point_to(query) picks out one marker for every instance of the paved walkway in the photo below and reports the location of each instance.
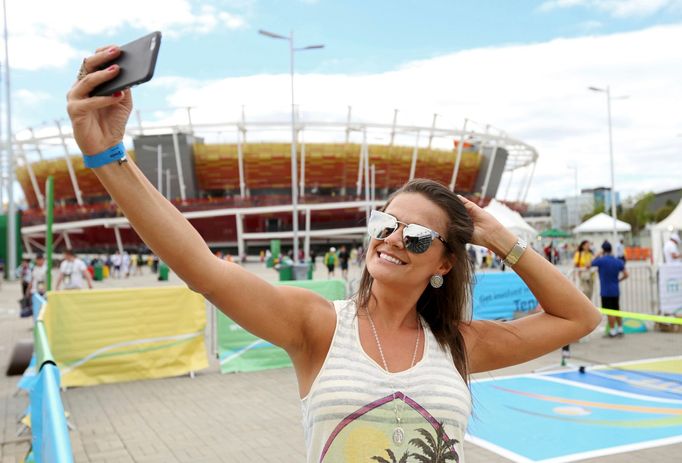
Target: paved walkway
(251, 417)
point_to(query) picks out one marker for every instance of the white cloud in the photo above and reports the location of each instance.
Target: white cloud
(617, 8)
(39, 30)
(536, 92)
(30, 98)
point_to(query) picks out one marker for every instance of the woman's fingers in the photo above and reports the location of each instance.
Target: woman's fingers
(101, 57)
(78, 107)
(82, 88)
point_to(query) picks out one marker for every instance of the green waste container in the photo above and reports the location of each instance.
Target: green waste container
(99, 271)
(285, 272)
(163, 271)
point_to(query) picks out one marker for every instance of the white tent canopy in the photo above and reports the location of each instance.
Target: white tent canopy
(602, 223)
(662, 230)
(511, 220)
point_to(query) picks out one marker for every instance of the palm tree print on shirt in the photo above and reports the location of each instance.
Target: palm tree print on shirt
(438, 449)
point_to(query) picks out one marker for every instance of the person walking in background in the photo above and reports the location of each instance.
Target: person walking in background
(116, 261)
(72, 272)
(330, 261)
(671, 252)
(38, 282)
(23, 272)
(125, 264)
(344, 256)
(582, 262)
(610, 271)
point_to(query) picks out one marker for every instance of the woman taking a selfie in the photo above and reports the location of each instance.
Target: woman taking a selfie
(385, 373)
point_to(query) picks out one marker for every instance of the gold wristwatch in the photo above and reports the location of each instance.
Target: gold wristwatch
(515, 254)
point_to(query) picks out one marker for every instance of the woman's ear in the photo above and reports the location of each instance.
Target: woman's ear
(446, 265)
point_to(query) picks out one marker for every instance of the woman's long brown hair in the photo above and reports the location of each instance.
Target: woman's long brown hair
(445, 308)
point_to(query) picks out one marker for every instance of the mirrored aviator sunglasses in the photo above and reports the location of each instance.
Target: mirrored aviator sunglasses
(416, 238)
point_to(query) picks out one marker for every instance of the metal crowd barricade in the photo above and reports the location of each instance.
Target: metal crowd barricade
(638, 292)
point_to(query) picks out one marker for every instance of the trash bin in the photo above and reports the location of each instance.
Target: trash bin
(99, 272)
(163, 271)
(300, 271)
(285, 271)
(270, 262)
(311, 267)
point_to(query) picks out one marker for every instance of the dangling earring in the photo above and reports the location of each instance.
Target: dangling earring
(436, 281)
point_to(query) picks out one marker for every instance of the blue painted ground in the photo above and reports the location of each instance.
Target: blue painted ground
(540, 417)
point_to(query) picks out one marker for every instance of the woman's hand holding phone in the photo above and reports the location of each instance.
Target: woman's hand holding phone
(98, 122)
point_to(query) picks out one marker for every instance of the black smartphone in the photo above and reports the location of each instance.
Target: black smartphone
(137, 62)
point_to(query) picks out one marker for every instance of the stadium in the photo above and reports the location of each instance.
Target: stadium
(232, 180)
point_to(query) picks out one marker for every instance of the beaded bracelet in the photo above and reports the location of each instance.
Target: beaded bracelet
(113, 154)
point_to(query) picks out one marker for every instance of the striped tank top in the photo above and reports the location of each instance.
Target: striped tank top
(349, 413)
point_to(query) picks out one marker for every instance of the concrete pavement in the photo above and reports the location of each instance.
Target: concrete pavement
(237, 417)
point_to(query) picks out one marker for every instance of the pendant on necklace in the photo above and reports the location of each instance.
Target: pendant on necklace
(398, 436)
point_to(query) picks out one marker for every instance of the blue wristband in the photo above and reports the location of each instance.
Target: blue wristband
(113, 154)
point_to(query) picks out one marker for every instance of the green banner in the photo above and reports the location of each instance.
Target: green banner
(239, 350)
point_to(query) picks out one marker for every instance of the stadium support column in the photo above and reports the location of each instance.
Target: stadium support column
(49, 219)
(367, 179)
(345, 152)
(241, 249)
(415, 153)
(360, 164)
(178, 162)
(373, 194)
(31, 176)
(301, 188)
(119, 242)
(241, 139)
(486, 182)
(433, 128)
(72, 173)
(306, 240)
(460, 146)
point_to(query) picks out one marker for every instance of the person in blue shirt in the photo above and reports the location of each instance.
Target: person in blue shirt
(611, 273)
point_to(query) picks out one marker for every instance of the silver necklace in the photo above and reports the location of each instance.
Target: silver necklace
(398, 432)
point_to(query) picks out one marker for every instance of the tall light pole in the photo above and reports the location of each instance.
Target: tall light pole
(294, 180)
(607, 91)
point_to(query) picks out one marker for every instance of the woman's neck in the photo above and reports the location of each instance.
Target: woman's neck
(393, 309)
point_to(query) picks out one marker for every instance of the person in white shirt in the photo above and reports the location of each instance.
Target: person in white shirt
(72, 272)
(671, 252)
(116, 261)
(38, 277)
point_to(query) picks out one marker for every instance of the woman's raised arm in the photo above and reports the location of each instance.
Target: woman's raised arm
(280, 315)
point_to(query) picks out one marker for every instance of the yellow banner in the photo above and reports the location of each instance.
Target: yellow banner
(108, 336)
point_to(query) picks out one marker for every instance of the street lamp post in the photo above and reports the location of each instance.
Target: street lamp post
(294, 180)
(607, 91)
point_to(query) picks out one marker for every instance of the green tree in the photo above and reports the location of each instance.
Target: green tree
(638, 215)
(598, 209)
(664, 211)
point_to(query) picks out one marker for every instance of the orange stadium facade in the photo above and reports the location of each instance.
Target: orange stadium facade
(238, 194)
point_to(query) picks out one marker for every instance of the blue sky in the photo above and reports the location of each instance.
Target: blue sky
(519, 65)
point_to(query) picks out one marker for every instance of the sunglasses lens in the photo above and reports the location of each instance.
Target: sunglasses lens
(381, 225)
(417, 239)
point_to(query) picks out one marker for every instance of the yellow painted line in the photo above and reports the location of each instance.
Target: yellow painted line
(641, 316)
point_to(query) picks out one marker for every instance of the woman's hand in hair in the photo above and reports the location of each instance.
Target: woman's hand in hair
(488, 231)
